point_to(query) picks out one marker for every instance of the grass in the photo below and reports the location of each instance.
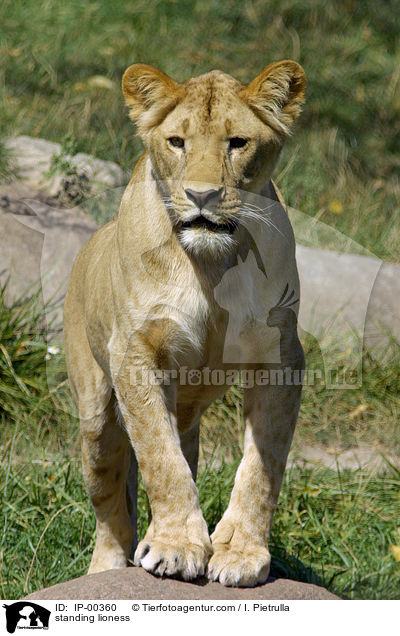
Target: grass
(61, 80)
(33, 389)
(7, 169)
(333, 528)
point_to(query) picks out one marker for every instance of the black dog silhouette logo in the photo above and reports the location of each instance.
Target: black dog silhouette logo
(26, 615)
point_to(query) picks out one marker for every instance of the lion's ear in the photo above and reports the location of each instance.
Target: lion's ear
(276, 94)
(150, 94)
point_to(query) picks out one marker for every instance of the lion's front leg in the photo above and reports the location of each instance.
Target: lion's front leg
(177, 543)
(240, 541)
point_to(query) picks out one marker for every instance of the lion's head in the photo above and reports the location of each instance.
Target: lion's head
(210, 140)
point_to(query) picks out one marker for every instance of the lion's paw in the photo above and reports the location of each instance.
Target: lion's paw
(239, 568)
(184, 560)
(111, 560)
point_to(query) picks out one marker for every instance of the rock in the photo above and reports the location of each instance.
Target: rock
(348, 301)
(20, 252)
(41, 227)
(364, 290)
(361, 457)
(136, 583)
(47, 171)
(39, 249)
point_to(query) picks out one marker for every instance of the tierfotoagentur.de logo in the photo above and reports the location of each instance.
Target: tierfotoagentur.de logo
(26, 615)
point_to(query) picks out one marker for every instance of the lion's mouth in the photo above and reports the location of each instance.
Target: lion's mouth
(204, 223)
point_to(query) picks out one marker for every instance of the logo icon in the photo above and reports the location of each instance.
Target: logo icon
(26, 615)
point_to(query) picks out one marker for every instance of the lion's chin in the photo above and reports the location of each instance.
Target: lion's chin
(204, 243)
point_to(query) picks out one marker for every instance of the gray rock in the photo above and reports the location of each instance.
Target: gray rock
(361, 457)
(20, 256)
(38, 250)
(136, 583)
(33, 158)
(348, 301)
(41, 230)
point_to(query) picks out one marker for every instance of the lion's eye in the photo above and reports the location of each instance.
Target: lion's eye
(176, 142)
(237, 142)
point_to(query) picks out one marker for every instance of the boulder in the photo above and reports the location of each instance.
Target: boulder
(135, 583)
(37, 250)
(42, 227)
(362, 457)
(348, 301)
(48, 171)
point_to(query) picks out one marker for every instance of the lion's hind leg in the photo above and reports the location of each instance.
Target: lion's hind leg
(108, 469)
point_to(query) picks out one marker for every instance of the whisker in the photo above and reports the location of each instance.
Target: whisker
(250, 214)
(256, 213)
(252, 206)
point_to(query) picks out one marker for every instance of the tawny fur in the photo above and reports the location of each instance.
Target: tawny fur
(150, 292)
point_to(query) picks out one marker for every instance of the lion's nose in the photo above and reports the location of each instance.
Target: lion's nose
(202, 198)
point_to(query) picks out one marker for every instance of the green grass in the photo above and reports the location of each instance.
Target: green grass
(331, 528)
(34, 396)
(342, 164)
(7, 169)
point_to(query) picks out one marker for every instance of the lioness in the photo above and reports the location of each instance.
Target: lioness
(195, 278)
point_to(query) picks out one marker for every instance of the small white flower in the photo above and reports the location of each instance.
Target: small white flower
(52, 350)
